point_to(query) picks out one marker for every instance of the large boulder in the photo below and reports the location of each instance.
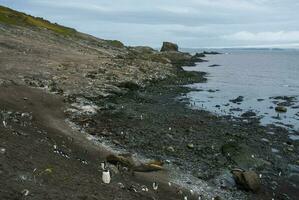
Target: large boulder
(248, 180)
(168, 46)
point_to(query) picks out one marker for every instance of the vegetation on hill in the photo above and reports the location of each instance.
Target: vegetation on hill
(12, 17)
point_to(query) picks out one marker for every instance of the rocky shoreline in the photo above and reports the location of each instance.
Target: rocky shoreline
(69, 101)
(152, 123)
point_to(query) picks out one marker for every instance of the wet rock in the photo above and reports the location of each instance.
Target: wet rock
(200, 55)
(265, 140)
(211, 53)
(281, 109)
(293, 168)
(214, 65)
(237, 100)
(116, 142)
(235, 109)
(248, 114)
(226, 180)
(168, 46)
(210, 90)
(248, 180)
(190, 146)
(217, 198)
(252, 180)
(131, 85)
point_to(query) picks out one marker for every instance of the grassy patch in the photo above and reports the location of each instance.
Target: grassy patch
(115, 43)
(11, 17)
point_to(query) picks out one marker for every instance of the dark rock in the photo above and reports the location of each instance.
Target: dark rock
(281, 109)
(247, 180)
(211, 53)
(237, 100)
(235, 109)
(200, 55)
(129, 85)
(248, 114)
(214, 65)
(210, 90)
(168, 46)
(252, 181)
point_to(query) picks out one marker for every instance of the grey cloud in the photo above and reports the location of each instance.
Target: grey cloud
(191, 23)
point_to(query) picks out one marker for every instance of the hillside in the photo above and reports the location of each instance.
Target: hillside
(51, 77)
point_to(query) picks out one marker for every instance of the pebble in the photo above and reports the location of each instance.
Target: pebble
(170, 148)
(190, 146)
(294, 137)
(293, 168)
(121, 185)
(25, 192)
(265, 140)
(274, 150)
(2, 150)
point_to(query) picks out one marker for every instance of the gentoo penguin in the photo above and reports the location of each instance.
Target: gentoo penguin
(106, 178)
(103, 165)
(155, 185)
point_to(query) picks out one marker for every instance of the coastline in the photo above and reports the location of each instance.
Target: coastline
(60, 95)
(207, 133)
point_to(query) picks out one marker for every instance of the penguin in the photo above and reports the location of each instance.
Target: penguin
(155, 185)
(144, 188)
(191, 192)
(106, 178)
(103, 165)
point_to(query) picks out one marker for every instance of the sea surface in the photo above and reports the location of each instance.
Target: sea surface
(264, 78)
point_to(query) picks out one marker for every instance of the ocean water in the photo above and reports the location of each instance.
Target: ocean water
(260, 76)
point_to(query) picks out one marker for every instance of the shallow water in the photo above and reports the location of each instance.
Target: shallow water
(258, 76)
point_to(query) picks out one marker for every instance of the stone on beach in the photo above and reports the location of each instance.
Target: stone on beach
(281, 109)
(248, 180)
(168, 46)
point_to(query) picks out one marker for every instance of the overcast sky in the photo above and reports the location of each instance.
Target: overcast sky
(190, 23)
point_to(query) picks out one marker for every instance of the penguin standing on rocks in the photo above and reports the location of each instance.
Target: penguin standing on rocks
(155, 185)
(103, 165)
(106, 178)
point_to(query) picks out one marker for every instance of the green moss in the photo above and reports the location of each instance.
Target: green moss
(115, 43)
(11, 17)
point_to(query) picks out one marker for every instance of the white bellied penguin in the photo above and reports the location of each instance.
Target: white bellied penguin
(155, 185)
(106, 178)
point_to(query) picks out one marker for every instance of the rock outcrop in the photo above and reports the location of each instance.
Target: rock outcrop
(168, 46)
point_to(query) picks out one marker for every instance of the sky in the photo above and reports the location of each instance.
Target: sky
(189, 23)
